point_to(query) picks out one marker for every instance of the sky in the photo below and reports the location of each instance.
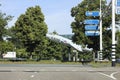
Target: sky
(56, 12)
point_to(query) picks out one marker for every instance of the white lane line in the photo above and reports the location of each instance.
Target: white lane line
(57, 70)
(74, 70)
(110, 76)
(90, 70)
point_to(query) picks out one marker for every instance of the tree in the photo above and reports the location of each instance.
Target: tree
(79, 37)
(30, 30)
(55, 50)
(78, 25)
(6, 47)
(3, 23)
(4, 19)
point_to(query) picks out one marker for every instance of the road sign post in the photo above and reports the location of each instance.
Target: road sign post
(93, 25)
(101, 48)
(113, 34)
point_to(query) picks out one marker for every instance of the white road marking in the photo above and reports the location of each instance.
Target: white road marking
(110, 76)
(90, 70)
(27, 70)
(35, 72)
(32, 76)
(74, 70)
(57, 70)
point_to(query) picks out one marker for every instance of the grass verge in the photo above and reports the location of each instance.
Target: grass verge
(38, 62)
(92, 64)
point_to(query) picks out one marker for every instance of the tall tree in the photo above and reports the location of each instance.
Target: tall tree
(78, 25)
(30, 29)
(4, 19)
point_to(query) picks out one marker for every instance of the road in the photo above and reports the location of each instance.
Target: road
(57, 72)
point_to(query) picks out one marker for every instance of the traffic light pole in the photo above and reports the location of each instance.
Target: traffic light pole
(113, 34)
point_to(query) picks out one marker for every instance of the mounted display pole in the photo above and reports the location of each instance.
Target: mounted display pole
(113, 34)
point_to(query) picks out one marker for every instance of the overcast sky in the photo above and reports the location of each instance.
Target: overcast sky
(56, 12)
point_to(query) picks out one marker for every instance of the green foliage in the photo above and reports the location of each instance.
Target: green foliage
(29, 37)
(78, 25)
(86, 56)
(54, 50)
(79, 36)
(6, 46)
(21, 53)
(30, 30)
(3, 22)
(118, 45)
(78, 13)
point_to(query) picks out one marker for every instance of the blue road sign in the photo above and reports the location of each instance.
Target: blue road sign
(118, 3)
(117, 10)
(92, 33)
(91, 21)
(117, 6)
(91, 27)
(92, 13)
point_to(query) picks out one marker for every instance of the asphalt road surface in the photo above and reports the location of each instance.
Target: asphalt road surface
(57, 72)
